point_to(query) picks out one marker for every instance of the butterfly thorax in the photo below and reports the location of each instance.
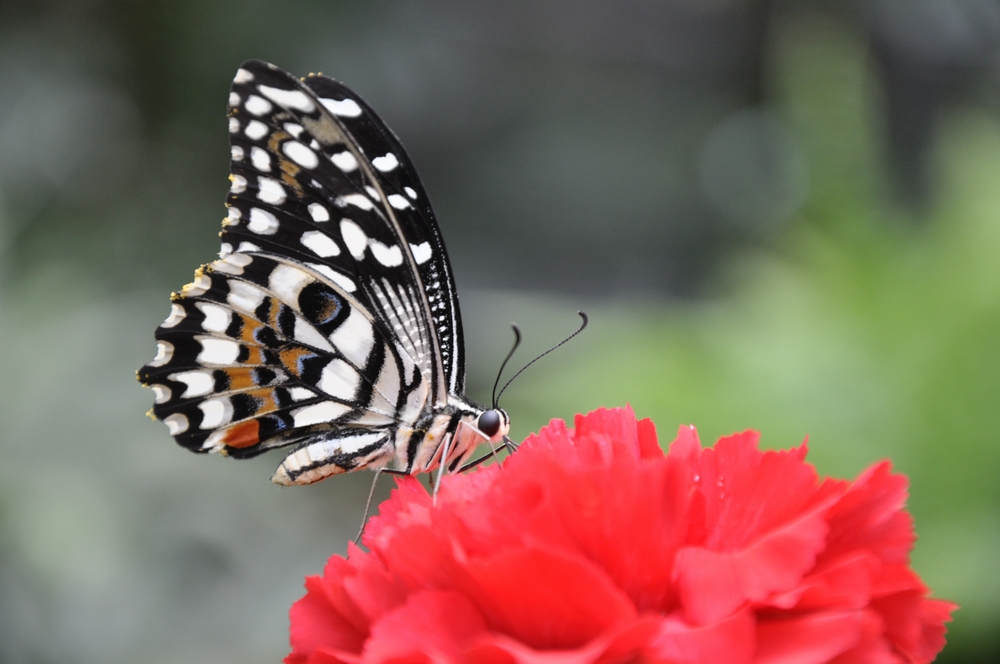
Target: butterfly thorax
(455, 428)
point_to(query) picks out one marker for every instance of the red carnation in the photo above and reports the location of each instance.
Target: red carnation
(591, 545)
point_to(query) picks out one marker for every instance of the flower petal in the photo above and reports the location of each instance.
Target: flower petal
(547, 600)
(731, 640)
(813, 638)
(438, 625)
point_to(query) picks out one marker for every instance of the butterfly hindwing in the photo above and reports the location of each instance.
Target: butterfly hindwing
(259, 352)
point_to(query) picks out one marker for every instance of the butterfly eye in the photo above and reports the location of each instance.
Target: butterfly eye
(489, 423)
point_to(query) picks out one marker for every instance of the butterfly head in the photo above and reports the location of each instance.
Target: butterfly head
(494, 423)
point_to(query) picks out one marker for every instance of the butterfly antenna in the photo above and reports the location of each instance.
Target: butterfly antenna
(578, 331)
(517, 342)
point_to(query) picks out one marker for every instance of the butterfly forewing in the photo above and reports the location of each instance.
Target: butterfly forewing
(306, 187)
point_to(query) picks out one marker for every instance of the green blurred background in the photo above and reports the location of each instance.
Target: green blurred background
(779, 215)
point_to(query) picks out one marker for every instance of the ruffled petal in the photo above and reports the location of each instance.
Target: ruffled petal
(432, 626)
(548, 600)
(813, 638)
(730, 640)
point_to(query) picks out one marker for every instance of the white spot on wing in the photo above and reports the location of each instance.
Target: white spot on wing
(176, 423)
(217, 318)
(260, 159)
(318, 212)
(262, 222)
(164, 352)
(372, 193)
(286, 282)
(218, 351)
(387, 256)
(398, 202)
(217, 412)
(225, 249)
(258, 105)
(233, 216)
(345, 161)
(347, 108)
(294, 129)
(242, 76)
(357, 200)
(300, 154)
(387, 384)
(214, 440)
(296, 99)
(318, 413)
(340, 380)
(198, 382)
(386, 162)
(308, 334)
(354, 238)
(256, 130)
(409, 192)
(341, 280)
(239, 184)
(247, 246)
(354, 338)
(320, 244)
(234, 99)
(177, 314)
(236, 152)
(300, 393)
(161, 393)
(232, 264)
(421, 252)
(199, 286)
(270, 191)
(234, 125)
(244, 297)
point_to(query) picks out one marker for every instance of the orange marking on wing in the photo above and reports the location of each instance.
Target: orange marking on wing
(329, 309)
(272, 315)
(266, 402)
(240, 379)
(256, 355)
(249, 328)
(290, 357)
(288, 170)
(276, 140)
(243, 434)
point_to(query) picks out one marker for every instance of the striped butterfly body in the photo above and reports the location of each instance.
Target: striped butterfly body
(330, 321)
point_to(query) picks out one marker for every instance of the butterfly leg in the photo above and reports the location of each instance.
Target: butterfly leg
(442, 467)
(473, 464)
(371, 494)
(493, 450)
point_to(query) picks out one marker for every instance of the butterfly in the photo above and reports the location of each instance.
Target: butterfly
(330, 322)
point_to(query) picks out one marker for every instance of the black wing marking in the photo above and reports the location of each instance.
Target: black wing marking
(305, 187)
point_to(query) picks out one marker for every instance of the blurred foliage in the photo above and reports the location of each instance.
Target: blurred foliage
(618, 158)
